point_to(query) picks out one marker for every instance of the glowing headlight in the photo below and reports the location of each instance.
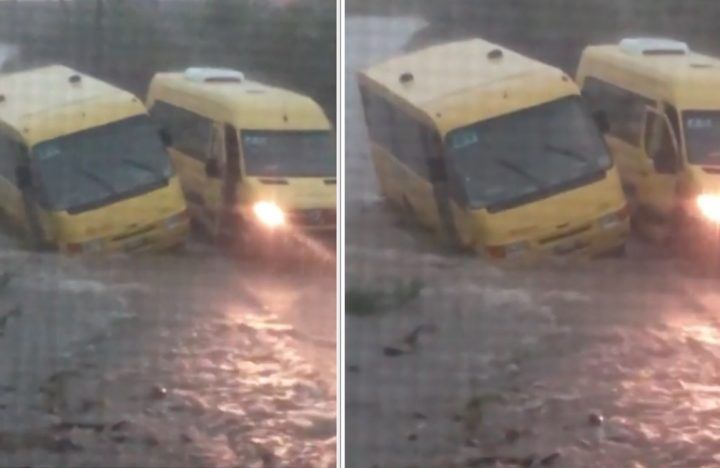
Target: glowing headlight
(709, 207)
(269, 214)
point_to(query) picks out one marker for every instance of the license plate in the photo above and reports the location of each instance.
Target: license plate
(567, 247)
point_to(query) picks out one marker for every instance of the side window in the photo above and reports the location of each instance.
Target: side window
(409, 145)
(10, 153)
(190, 132)
(379, 116)
(624, 109)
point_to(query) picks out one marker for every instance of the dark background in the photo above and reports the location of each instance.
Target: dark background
(556, 31)
(127, 41)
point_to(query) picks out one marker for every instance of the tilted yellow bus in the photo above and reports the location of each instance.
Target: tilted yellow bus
(661, 105)
(82, 168)
(494, 151)
(255, 161)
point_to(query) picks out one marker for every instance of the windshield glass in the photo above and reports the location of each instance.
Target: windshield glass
(289, 153)
(702, 137)
(101, 165)
(527, 154)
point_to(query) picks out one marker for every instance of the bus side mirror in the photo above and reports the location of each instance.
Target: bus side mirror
(212, 169)
(602, 122)
(165, 137)
(437, 170)
(23, 177)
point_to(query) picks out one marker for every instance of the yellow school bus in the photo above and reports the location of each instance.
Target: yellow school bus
(82, 168)
(660, 105)
(494, 151)
(255, 161)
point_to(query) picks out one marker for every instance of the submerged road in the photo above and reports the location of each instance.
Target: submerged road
(192, 359)
(593, 364)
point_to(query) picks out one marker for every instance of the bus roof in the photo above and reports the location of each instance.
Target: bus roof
(48, 102)
(242, 103)
(686, 79)
(459, 83)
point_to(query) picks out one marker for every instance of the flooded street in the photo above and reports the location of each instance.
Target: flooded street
(189, 359)
(597, 364)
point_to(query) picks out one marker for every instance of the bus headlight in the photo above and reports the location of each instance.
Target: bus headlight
(269, 214)
(176, 220)
(709, 207)
(613, 220)
(92, 246)
(516, 249)
(609, 221)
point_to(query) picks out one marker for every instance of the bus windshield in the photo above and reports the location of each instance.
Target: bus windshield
(702, 134)
(289, 153)
(527, 155)
(101, 165)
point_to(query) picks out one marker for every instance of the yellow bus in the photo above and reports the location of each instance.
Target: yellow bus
(494, 151)
(661, 107)
(82, 168)
(256, 162)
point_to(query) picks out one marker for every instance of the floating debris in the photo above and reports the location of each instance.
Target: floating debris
(158, 392)
(595, 419)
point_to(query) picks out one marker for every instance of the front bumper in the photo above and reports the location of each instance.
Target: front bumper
(320, 219)
(590, 243)
(154, 238)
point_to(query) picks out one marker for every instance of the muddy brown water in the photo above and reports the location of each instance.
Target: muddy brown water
(192, 359)
(593, 364)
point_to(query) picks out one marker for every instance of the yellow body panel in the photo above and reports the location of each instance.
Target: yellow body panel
(247, 106)
(687, 82)
(570, 216)
(133, 224)
(41, 105)
(446, 97)
(470, 88)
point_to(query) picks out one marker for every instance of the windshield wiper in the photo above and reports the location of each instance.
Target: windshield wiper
(97, 179)
(565, 151)
(519, 170)
(143, 166)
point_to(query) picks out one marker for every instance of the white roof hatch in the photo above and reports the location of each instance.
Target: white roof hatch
(654, 46)
(214, 75)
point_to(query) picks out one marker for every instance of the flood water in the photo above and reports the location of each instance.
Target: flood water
(597, 364)
(189, 359)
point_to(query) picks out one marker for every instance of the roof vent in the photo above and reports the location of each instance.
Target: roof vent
(214, 75)
(654, 46)
(75, 79)
(495, 54)
(406, 78)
